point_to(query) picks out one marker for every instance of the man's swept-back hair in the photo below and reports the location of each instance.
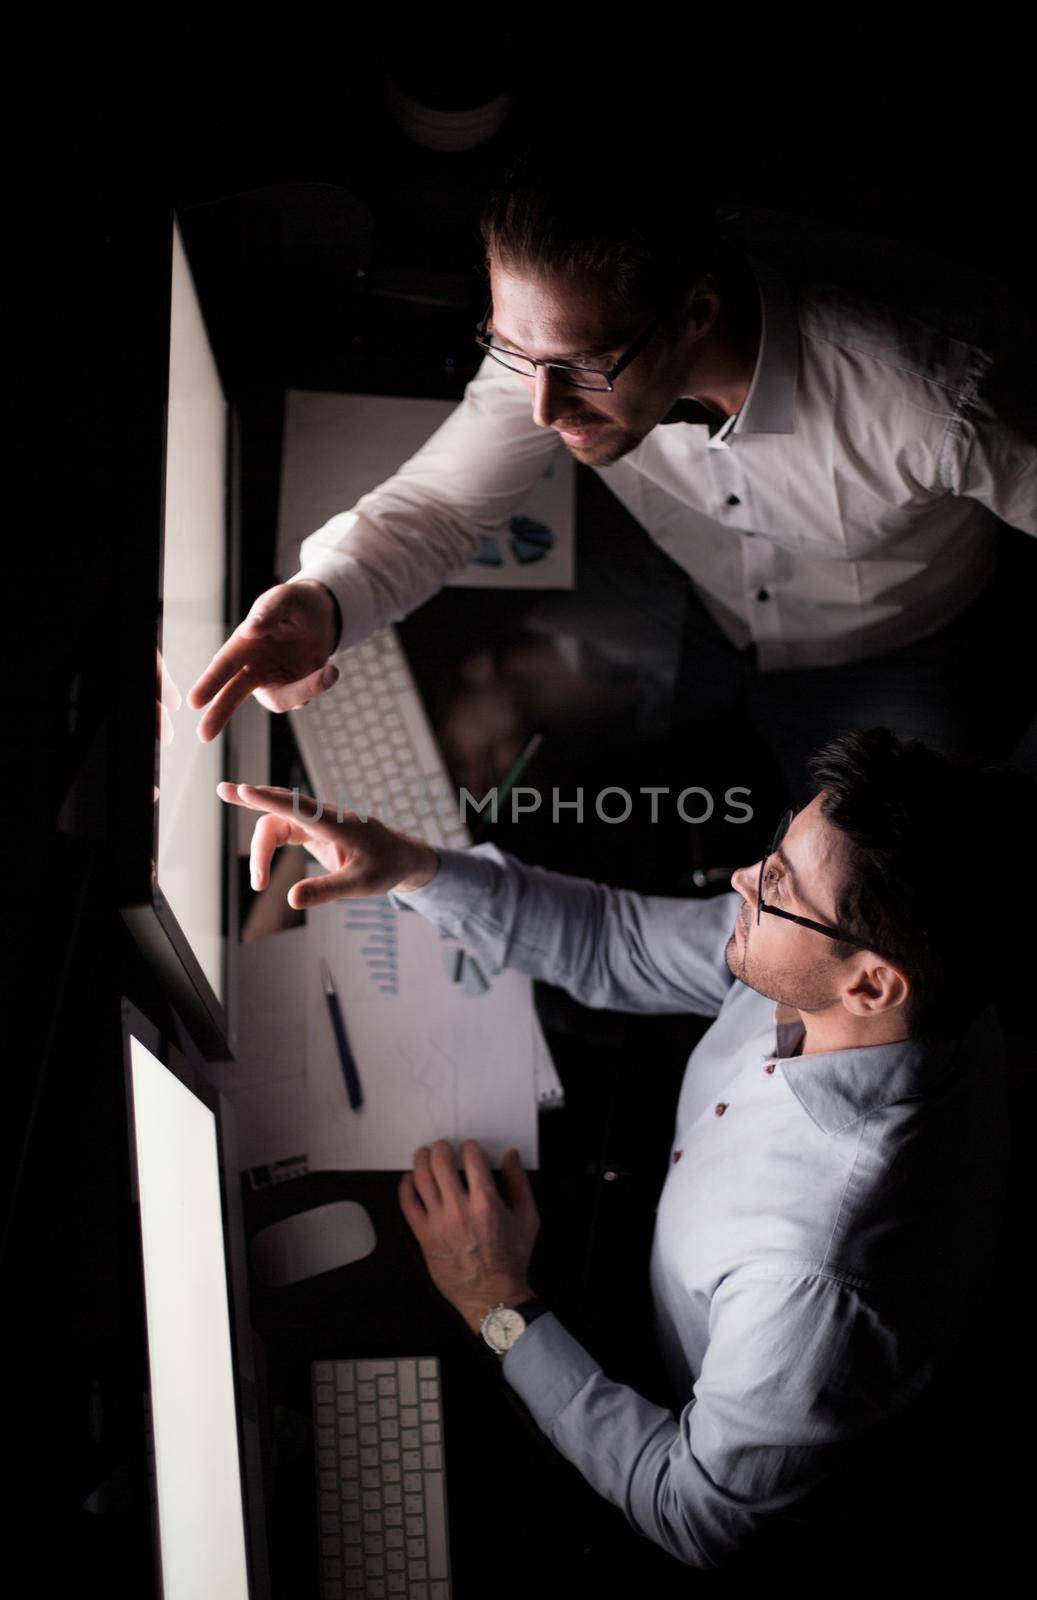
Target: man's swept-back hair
(933, 849)
(615, 215)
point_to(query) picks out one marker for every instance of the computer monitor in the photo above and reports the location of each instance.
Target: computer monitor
(177, 892)
(207, 1499)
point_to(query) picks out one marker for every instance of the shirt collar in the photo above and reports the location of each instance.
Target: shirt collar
(839, 1087)
(770, 404)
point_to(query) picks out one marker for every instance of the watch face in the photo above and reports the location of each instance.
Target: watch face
(502, 1327)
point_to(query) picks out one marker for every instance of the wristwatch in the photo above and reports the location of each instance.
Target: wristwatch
(504, 1325)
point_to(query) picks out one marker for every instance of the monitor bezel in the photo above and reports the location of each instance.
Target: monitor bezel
(191, 1075)
(209, 1019)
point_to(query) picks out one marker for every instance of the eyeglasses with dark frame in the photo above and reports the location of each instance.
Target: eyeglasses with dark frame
(806, 922)
(527, 365)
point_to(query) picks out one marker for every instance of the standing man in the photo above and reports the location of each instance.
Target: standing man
(836, 1171)
(843, 432)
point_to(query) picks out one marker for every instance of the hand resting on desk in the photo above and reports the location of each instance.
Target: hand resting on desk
(476, 1245)
(360, 858)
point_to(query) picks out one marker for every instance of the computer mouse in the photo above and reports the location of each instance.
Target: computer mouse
(309, 1242)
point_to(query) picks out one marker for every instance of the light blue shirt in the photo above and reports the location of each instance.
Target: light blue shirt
(817, 1239)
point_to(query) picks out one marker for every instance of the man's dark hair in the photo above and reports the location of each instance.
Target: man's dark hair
(614, 214)
(932, 847)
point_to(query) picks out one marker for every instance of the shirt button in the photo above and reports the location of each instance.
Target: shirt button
(733, 500)
(720, 1108)
(769, 1067)
(763, 594)
(677, 1155)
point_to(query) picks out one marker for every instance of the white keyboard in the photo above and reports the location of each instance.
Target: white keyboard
(368, 746)
(380, 1479)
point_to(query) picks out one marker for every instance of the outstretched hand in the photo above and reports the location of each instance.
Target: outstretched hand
(279, 653)
(360, 858)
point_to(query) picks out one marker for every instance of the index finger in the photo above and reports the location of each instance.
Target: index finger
(229, 659)
(228, 699)
(295, 806)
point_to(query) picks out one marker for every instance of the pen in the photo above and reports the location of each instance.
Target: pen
(345, 1055)
(515, 773)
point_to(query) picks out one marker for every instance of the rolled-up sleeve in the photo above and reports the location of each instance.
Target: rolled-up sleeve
(799, 1368)
(609, 948)
(402, 540)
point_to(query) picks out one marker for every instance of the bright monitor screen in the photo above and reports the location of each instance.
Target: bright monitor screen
(197, 1469)
(189, 846)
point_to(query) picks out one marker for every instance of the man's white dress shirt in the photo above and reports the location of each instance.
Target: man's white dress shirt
(822, 1225)
(850, 507)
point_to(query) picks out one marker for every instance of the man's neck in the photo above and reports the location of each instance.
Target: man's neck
(839, 1030)
(725, 360)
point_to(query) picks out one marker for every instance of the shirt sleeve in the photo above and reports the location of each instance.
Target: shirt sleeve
(798, 1370)
(990, 447)
(609, 948)
(403, 539)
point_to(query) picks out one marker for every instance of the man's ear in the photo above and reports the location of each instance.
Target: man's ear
(700, 307)
(877, 986)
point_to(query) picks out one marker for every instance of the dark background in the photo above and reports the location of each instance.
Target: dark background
(928, 145)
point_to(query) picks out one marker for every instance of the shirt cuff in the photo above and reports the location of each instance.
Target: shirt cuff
(547, 1368)
(461, 875)
(343, 575)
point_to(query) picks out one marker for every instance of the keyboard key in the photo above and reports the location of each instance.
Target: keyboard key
(432, 1458)
(430, 1433)
(435, 1499)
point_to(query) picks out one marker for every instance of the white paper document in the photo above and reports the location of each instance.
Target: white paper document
(444, 1046)
(338, 447)
(267, 1082)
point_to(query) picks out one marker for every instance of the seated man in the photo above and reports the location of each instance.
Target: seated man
(838, 1158)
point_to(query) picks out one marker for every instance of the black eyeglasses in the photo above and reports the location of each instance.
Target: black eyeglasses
(570, 372)
(806, 922)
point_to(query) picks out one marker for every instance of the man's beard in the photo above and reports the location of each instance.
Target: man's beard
(810, 990)
(618, 443)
